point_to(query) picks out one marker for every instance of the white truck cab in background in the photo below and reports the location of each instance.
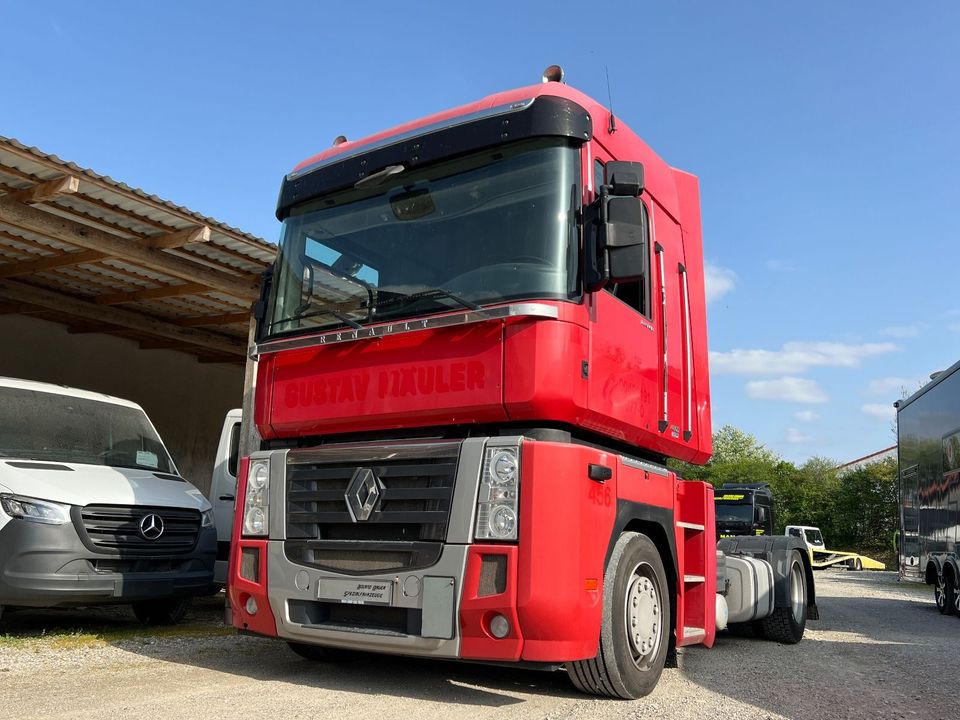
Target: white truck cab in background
(810, 536)
(223, 489)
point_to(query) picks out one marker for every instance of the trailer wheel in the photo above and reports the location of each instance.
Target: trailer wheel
(634, 633)
(168, 611)
(945, 593)
(855, 564)
(786, 624)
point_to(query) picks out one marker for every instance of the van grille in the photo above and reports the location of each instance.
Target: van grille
(117, 528)
(407, 521)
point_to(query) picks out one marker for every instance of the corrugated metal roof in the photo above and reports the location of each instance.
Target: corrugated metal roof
(95, 245)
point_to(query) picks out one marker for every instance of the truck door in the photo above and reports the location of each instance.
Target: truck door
(909, 538)
(625, 348)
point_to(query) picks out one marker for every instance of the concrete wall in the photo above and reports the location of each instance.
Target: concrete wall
(185, 399)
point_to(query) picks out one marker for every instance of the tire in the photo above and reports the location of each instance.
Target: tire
(949, 605)
(636, 598)
(786, 624)
(855, 564)
(168, 611)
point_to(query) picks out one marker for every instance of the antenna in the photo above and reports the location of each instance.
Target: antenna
(612, 127)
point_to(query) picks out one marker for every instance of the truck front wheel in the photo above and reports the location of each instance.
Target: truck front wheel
(634, 634)
(786, 624)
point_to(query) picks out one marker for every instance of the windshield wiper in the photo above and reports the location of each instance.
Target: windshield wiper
(326, 311)
(427, 294)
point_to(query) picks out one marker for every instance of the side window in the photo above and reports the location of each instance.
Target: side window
(636, 293)
(234, 459)
(794, 532)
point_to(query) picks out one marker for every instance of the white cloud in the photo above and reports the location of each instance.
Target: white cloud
(904, 331)
(806, 416)
(795, 357)
(784, 266)
(892, 386)
(795, 437)
(718, 280)
(880, 410)
(788, 389)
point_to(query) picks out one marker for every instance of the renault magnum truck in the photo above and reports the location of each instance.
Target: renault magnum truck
(93, 509)
(482, 338)
(928, 453)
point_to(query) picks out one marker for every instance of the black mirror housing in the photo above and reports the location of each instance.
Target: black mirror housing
(625, 178)
(624, 239)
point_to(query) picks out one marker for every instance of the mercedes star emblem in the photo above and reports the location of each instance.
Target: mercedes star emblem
(151, 526)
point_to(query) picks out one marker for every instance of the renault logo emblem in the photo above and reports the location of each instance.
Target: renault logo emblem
(151, 526)
(363, 494)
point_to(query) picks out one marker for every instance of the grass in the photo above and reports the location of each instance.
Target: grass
(74, 638)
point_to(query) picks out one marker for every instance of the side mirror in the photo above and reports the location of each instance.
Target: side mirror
(616, 233)
(625, 178)
(623, 238)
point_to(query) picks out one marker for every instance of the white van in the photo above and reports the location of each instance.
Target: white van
(223, 489)
(92, 508)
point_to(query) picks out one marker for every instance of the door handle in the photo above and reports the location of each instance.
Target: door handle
(227, 497)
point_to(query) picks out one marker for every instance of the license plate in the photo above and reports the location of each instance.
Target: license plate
(356, 592)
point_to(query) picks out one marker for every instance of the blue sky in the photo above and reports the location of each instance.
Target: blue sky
(825, 135)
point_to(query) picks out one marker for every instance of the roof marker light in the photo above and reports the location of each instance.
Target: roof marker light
(554, 73)
(339, 140)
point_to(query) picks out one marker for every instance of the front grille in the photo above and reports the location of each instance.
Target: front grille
(117, 528)
(407, 523)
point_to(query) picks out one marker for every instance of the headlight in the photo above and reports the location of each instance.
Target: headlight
(256, 501)
(206, 518)
(33, 510)
(498, 501)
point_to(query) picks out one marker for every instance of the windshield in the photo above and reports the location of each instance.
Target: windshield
(47, 426)
(490, 227)
(814, 537)
(734, 513)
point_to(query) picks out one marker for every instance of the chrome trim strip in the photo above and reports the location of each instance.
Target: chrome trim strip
(416, 132)
(365, 452)
(530, 309)
(644, 465)
(689, 353)
(658, 249)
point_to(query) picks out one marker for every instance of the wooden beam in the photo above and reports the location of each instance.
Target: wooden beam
(132, 251)
(180, 238)
(151, 293)
(41, 192)
(67, 305)
(226, 319)
(28, 267)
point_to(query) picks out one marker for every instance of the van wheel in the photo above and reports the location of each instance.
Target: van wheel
(168, 611)
(634, 632)
(786, 624)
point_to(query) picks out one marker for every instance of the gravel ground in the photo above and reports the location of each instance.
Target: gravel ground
(880, 651)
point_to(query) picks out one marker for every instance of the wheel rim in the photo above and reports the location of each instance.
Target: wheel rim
(798, 594)
(939, 594)
(643, 615)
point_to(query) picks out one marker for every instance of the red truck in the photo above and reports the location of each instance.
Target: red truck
(483, 336)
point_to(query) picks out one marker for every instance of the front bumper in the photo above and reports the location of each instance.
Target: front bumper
(48, 566)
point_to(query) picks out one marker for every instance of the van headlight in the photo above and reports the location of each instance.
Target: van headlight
(206, 518)
(34, 510)
(256, 501)
(499, 497)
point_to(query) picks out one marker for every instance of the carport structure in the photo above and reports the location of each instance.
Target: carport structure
(105, 287)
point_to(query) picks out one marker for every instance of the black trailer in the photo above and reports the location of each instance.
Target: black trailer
(744, 509)
(928, 434)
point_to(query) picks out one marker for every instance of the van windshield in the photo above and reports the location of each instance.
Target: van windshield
(60, 428)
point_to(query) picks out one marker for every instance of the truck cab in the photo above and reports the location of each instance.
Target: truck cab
(744, 509)
(810, 536)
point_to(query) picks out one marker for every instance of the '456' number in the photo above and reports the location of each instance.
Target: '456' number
(600, 495)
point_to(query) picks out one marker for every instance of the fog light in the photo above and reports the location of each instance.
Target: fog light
(499, 626)
(251, 606)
